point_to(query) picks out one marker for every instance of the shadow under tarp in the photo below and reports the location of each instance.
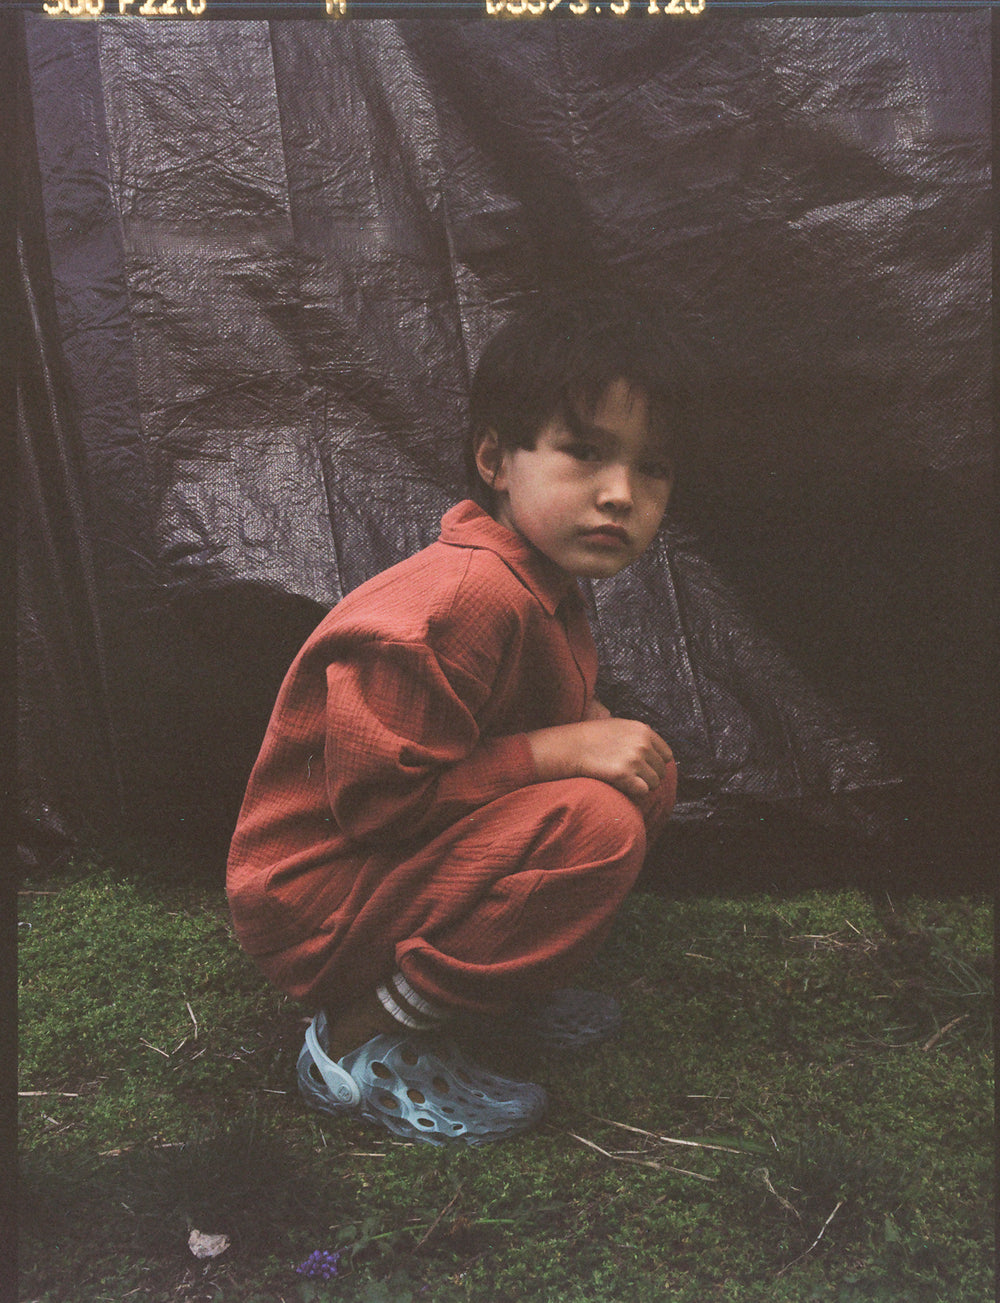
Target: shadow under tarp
(258, 261)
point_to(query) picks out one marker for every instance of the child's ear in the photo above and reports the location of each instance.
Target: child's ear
(490, 460)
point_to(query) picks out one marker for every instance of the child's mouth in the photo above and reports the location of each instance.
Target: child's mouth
(613, 536)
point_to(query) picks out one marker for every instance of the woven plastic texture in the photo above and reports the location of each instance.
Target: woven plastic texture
(263, 258)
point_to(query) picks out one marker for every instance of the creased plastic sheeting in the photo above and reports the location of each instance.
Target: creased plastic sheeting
(198, 176)
(692, 639)
(307, 232)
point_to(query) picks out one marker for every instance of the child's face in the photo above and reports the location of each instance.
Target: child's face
(591, 493)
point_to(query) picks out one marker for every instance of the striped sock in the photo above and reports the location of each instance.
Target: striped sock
(408, 1007)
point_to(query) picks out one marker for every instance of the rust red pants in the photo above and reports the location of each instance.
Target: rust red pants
(508, 902)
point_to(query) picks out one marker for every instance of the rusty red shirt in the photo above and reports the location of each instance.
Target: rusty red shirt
(406, 709)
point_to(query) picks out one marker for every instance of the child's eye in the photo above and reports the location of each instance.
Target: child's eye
(584, 451)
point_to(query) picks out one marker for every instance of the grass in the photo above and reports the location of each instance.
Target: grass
(799, 1108)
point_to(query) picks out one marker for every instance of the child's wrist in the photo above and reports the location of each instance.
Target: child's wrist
(553, 754)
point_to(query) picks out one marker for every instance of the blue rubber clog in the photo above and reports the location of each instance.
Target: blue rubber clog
(418, 1086)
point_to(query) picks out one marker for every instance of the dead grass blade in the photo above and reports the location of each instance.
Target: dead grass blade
(640, 1162)
(944, 1031)
(666, 1140)
(822, 1229)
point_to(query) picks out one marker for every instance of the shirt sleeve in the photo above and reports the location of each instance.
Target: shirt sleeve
(404, 755)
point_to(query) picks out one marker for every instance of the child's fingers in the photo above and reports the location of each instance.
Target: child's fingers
(660, 766)
(652, 740)
(634, 786)
(641, 785)
(659, 762)
(649, 775)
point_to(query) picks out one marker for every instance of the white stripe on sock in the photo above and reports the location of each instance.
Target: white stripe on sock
(413, 998)
(398, 1014)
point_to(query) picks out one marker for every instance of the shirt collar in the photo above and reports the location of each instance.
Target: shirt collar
(468, 525)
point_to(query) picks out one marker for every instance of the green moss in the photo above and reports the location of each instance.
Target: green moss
(836, 1048)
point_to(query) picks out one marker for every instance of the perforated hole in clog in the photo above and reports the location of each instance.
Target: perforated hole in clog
(420, 1087)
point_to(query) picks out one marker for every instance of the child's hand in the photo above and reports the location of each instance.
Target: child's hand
(622, 752)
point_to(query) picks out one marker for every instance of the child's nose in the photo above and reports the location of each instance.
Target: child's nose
(616, 487)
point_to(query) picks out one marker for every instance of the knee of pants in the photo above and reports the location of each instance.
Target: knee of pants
(600, 819)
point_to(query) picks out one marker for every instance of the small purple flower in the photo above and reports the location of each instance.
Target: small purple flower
(320, 1265)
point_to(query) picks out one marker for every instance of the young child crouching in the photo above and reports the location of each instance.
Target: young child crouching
(443, 819)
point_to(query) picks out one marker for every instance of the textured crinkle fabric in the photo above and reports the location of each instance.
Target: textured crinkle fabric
(394, 817)
(405, 711)
(263, 259)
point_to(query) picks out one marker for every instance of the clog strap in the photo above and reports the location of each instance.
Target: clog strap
(340, 1084)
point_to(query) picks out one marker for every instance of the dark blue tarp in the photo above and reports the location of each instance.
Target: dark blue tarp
(261, 258)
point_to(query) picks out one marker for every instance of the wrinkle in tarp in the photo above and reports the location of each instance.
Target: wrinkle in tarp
(272, 254)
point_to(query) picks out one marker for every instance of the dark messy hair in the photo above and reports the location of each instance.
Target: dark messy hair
(557, 356)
